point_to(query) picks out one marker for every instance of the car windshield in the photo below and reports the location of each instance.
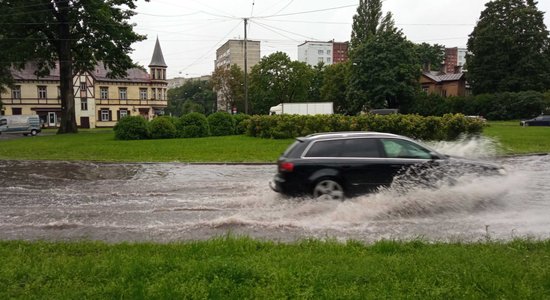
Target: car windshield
(405, 149)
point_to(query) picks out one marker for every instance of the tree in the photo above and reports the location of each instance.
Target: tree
(192, 96)
(510, 49)
(318, 76)
(77, 34)
(229, 84)
(365, 22)
(335, 85)
(277, 79)
(384, 72)
(430, 56)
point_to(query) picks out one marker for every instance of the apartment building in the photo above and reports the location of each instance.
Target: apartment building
(100, 101)
(232, 53)
(315, 52)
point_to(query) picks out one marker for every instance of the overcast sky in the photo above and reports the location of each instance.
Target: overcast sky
(190, 31)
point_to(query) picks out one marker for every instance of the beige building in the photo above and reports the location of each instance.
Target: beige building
(232, 53)
(100, 101)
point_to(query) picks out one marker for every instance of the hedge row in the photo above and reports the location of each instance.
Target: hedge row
(502, 106)
(187, 126)
(447, 127)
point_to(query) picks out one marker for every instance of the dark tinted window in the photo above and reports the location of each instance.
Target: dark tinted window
(330, 148)
(359, 147)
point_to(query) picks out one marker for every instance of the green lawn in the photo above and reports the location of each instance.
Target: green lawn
(229, 268)
(516, 139)
(100, 145)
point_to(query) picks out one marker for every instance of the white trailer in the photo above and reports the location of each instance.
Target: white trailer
(303, 108)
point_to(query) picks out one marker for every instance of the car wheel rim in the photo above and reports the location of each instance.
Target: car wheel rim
(328, 189)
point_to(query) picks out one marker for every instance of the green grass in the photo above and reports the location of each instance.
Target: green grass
(230, 268)
(100, 145)
(516, 139)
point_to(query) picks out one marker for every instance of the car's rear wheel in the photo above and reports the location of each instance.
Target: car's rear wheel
(328, 189)
(34, 132)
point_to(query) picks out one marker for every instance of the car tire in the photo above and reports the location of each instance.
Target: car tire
(34, 132)
(328, 189)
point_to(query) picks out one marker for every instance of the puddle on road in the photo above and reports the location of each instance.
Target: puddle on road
(170, 202)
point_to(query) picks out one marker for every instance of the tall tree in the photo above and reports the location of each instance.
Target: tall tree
(384, 72)
(317, 79)
(510, 49)
(335, 85)
(229, 84)
(192, 96)
(77, 34)
(430, 56)
(277, 79)
(365, 22)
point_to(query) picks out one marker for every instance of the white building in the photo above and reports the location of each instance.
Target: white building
(314, 52)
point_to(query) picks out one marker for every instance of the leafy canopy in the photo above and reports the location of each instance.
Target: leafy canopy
(77, 34)
(510, 49)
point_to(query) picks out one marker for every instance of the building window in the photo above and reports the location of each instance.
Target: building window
(58, 92)
(329, 60)
(159, 94)
(104, 93)
(105, 113)
(328, 52)
(320, 52)
(153, 94)
(16, 92)
(142, 94)
(320, 59)
(42, 92)
(122, 93)
(122, 113)
(84, 104)
(16, 111)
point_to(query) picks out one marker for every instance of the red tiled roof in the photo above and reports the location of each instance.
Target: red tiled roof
(99, 73)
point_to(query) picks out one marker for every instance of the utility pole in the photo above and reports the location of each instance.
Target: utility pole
(245, 68)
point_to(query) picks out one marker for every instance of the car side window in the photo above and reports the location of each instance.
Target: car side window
(361, 148)
(404, 149)
(330, 148)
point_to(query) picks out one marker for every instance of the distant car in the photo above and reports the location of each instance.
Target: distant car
(346, 164)
(480, 118)
(25, 124)
(543, 120)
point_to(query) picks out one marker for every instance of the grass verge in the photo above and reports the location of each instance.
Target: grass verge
(100, 145)
(234, 268)
(515, 139)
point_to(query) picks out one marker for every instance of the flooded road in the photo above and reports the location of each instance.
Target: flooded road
(177, 202)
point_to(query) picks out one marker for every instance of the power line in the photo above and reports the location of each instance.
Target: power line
(306, 12)
(280, 29)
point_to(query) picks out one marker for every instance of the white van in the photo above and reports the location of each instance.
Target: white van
(25, 124)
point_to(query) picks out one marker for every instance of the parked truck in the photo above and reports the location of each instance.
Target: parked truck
(303, 108)
(25, 124)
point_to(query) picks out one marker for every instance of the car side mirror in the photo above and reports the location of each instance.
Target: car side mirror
(434, 155)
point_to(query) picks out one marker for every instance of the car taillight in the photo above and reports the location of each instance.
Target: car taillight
(286, 167)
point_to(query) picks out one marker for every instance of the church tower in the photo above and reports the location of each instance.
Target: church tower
(157, 67)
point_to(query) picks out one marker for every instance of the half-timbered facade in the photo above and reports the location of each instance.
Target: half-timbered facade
(100, 101)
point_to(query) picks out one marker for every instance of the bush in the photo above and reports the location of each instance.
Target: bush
(131, 128)
(447, 127)
(192, 125)
(162, 128)
(501, 106)
(241, 123)
(221, 123)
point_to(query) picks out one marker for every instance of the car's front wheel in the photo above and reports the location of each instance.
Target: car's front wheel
(328, 189)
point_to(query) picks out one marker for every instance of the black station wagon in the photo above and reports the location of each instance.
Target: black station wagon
(345, 164)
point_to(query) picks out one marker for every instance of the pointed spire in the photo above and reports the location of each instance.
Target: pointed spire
(158, 58)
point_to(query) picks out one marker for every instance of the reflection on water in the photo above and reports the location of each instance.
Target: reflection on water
(168, 202)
